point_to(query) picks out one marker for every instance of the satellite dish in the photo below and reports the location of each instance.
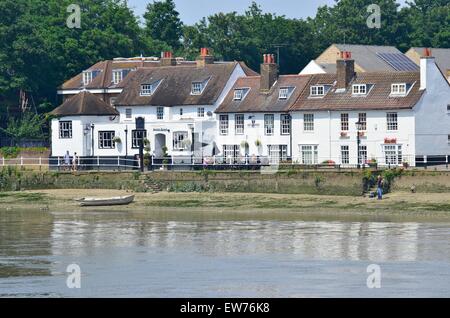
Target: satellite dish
(209, 113)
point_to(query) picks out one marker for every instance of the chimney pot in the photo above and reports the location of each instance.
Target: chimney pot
(167, 59)
(205, 57)
(269, 73)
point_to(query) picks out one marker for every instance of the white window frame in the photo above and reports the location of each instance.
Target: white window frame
(362, 154)
(65, 129)
(112, 101)
(230, 153)
(147, 89)
(344, 121)
(106, 139)
(181, 111)
(87, 77)
(160, 112)
(393, 154)
(223, 125)
(201, 112)
(239, 122)
(238, 94)
(128, 113)
(398, 89)
(285, 124)
(345, 154)
(362, 118)
(197, 88)
(309, 154)
(277, 153)
(317, 90)
(308, 122)
(136, 136)
(283, 93)
(269, 124)
(178, 140)
(359, 89)
(117, 76)
(392, 121)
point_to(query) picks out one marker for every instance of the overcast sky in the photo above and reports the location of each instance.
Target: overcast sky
(192, 11)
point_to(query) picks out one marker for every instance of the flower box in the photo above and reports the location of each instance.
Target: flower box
(390, 140)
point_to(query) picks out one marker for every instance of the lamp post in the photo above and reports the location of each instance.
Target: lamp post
(358, 142)
(191, 128)
(126, 142)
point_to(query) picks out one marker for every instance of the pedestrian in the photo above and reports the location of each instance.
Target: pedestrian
(74, 161)
(380, 187)
(66, 160)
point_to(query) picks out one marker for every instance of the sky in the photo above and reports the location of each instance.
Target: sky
(191, 11)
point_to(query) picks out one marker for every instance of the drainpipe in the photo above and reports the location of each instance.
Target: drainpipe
(290, 138)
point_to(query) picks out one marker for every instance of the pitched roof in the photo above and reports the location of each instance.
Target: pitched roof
(257, 101)
(175, 85)
(442, 57)
(366, 57)
(378, 97)
(84, 104)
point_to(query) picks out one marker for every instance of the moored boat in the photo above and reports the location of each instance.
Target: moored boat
(121, 200)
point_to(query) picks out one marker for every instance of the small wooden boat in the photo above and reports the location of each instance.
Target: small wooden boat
(123, 200)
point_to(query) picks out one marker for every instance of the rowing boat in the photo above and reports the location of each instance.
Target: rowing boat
(122, 200)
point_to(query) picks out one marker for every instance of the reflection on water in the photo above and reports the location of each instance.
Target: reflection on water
(204, 254)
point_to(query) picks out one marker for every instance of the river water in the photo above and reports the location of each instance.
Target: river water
(218, 254)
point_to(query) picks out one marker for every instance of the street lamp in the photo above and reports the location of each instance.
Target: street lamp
(92, 138)
(126, 142)
(358, 141)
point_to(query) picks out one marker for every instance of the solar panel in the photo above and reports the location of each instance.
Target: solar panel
(398, 61)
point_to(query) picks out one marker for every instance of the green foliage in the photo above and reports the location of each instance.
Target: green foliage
(27, 127)
(9, 152)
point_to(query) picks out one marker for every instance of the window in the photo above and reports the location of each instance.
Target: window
(105, 139)
(137, 137)
(285, 121)
(112, 101)
(239, 124)
(128, 113)
(196, 88)
(391, 121)
(398, 89)
(359, 89)
(393, 154)
(201, 112)
(180, 140)
(308, 122)
(230, 153)
(448, 137)
(223, 124)
(181, 111)
(160, 112)
(283, 93)
(87, 77)
(362, 117)
(238, 93)
(65, 129)
(277, 153)
(362, 154)
(309, 154)
(268, 124)
(344, 122)
(147, 89)
(117, 76)
(448, 108)
(345, 155)
(317, 90)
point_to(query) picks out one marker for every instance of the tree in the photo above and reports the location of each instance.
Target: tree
(28, 127)
(163, 24)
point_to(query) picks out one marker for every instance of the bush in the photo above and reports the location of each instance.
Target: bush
(9, 152)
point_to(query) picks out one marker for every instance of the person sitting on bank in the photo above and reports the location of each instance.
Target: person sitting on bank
(380, 187)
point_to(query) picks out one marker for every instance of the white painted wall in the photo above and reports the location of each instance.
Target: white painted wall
(312, 68)
(432, 120)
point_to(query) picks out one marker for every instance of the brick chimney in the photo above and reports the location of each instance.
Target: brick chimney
(167, 59)
(345, 70)
(205, 57)
(269, 72)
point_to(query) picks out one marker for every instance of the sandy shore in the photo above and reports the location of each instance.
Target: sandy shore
(399, 203)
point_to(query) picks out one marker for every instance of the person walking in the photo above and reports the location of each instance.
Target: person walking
(75, 162)
(380, 187)
(66, 161)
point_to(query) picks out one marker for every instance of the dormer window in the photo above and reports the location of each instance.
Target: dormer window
(359, 89)
(283, 93)
(238, 93)
(88, 76)
(317, 90)
(197, 88)
(149, 89)
(398, 89)
(117, 76)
